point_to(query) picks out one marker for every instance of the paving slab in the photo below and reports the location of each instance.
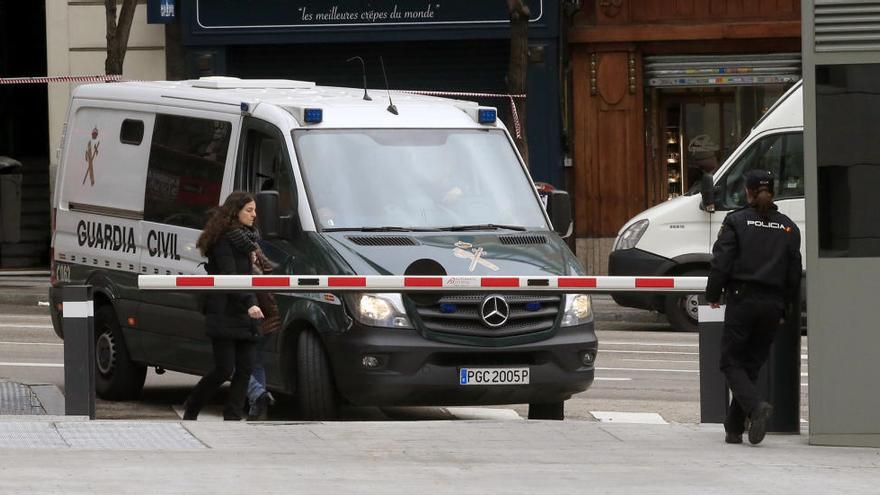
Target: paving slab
(453, 457)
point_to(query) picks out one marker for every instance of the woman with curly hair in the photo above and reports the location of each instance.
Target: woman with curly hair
(229, 242)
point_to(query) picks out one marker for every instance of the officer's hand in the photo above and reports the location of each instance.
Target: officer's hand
(715, 305)
(255, 312)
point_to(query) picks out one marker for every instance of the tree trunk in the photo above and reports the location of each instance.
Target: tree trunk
(117, 34)
(518, 67)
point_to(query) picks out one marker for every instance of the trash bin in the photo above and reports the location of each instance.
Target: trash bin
(10, 200)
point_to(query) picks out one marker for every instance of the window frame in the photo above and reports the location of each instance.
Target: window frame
(722, 184)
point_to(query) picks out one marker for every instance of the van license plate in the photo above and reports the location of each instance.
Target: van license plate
(493, 376)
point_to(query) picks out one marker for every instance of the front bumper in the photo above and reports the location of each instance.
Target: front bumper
(416, 371)
(630, 262)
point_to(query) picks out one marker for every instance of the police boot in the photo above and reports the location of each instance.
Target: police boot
(759, 419)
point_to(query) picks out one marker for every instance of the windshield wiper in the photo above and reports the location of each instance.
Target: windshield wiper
(381, 229)
(483, 226)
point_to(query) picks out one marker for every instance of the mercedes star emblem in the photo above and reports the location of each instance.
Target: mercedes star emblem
(495, 311)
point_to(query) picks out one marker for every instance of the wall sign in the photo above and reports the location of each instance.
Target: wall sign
(161, 11)
(293, 14)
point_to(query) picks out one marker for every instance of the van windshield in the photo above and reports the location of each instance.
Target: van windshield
(411, 179)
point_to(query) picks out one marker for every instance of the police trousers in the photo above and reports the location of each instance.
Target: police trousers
(750, 323)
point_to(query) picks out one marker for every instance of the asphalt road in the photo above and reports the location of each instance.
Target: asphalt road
(641, 368)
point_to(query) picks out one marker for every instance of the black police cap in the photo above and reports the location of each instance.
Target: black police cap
(759, 179)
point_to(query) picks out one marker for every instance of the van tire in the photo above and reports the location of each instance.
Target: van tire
(117, 377)
(681, 309)
(547, 410)
(315, 391)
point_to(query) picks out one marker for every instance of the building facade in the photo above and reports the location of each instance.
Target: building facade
(444, 45)
(663, 91)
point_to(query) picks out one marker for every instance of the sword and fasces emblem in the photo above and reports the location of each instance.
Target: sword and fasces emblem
(91, 154)
(466, 250)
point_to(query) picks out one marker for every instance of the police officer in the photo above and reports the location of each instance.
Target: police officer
(757, 264)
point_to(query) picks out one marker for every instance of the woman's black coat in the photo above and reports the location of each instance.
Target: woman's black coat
(226, 313)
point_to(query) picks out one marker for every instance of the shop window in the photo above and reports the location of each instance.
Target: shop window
(781, 154)
(700, 127)
(847, 150)
(185, 170)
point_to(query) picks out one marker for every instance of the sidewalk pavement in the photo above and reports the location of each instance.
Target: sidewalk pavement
(73, 455)
(504, 454)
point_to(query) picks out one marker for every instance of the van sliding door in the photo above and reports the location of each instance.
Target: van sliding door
(189, 155)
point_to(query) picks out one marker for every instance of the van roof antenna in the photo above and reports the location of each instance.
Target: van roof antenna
(364, 72)
(391, 108)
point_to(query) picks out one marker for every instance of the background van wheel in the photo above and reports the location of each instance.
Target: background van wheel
(682, 309)
(117, 377)
(315, 391)
(547, 410)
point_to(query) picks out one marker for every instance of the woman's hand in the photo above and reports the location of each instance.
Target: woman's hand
(255, 312)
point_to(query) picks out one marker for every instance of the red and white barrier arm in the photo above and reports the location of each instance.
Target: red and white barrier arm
(393, 283)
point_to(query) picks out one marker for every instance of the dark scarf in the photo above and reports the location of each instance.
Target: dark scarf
(243, 238)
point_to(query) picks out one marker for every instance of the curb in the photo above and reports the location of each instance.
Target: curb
(50, 398)
(27, 297)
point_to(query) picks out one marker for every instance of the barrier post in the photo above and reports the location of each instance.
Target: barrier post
(79, 350)
(780, 379)
(714, 396)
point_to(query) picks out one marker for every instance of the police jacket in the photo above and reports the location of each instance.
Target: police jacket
(756, 251)
(226, 313)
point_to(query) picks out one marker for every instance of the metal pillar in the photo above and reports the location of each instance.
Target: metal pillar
(780, 379)
(79, 350)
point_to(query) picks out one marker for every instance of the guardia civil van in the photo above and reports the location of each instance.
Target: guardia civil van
(391, 185)
(676, 237)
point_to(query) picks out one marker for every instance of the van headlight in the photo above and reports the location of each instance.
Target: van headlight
(379, 310)
(631, 236)
(578, 310)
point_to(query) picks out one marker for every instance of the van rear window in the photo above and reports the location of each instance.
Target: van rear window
(132, 131)
(185, 171)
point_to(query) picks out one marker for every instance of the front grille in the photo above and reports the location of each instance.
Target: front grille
(522, 240)
(383, 240)
(460, 315)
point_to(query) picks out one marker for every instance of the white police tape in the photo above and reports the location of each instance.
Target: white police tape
(395, 283)
(516, 123)
(59, 79)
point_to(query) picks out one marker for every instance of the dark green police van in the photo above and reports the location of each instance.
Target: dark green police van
(344, 187)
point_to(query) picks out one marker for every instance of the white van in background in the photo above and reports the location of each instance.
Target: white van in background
(676, 237)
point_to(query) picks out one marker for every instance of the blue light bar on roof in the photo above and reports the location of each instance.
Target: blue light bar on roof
(487, 115)
(313, 115)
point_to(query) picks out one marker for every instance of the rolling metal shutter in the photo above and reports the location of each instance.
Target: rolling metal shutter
(721, 70)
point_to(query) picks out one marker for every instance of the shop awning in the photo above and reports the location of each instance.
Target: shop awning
(664, 71)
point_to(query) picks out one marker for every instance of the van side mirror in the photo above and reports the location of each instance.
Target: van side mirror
(267, 213)
(707, 191)
(559, 211)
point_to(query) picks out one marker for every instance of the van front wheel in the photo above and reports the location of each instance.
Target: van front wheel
(682, 309)
(315, 391)
(117, 377)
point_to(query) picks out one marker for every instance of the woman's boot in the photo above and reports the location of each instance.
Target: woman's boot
(191, 409)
